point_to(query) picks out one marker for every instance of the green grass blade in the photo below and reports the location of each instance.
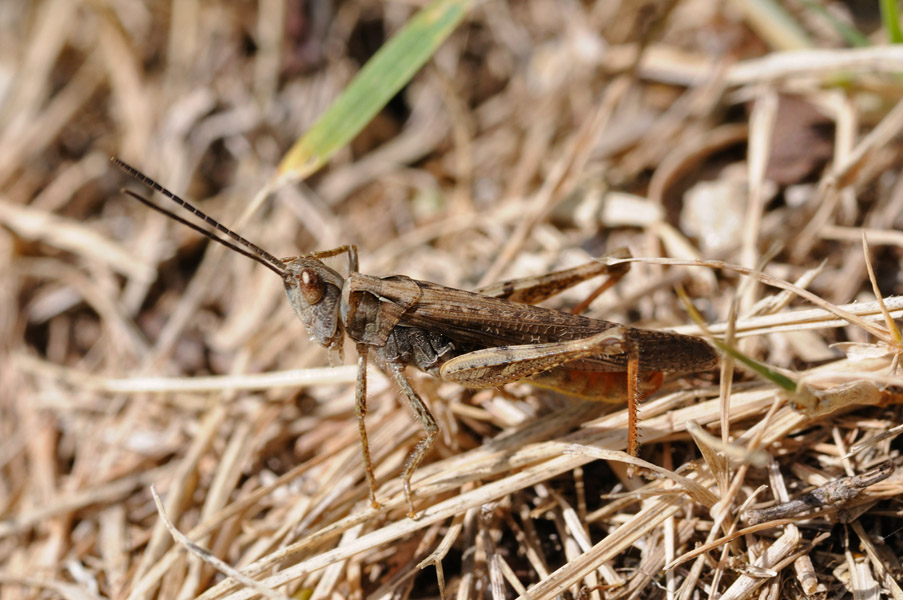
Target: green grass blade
(890, 17)
(382, 77)
(853, 36)
(762, 370)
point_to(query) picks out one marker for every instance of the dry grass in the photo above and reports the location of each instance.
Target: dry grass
(542, 134)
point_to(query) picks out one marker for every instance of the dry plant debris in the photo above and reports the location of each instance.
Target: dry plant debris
(542, 133)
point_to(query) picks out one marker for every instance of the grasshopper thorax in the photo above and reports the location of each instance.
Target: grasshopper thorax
(315, 293)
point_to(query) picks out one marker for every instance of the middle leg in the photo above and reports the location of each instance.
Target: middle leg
(427, 420)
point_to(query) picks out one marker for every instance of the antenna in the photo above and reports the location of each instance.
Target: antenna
(254, 252)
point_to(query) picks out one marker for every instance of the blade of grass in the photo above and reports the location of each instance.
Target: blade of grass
(853, 36)
(890, 17)
(760, 369)
(379, 80)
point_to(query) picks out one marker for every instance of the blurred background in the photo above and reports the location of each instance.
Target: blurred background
(542, 134)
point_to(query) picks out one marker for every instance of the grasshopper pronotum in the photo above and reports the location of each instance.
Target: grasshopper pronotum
(478, 339)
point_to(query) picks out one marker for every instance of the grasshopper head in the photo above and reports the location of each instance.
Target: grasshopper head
(315, 293)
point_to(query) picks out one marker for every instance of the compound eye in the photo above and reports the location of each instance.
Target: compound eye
(311, 286)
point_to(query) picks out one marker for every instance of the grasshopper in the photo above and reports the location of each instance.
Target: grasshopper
(480, 339)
